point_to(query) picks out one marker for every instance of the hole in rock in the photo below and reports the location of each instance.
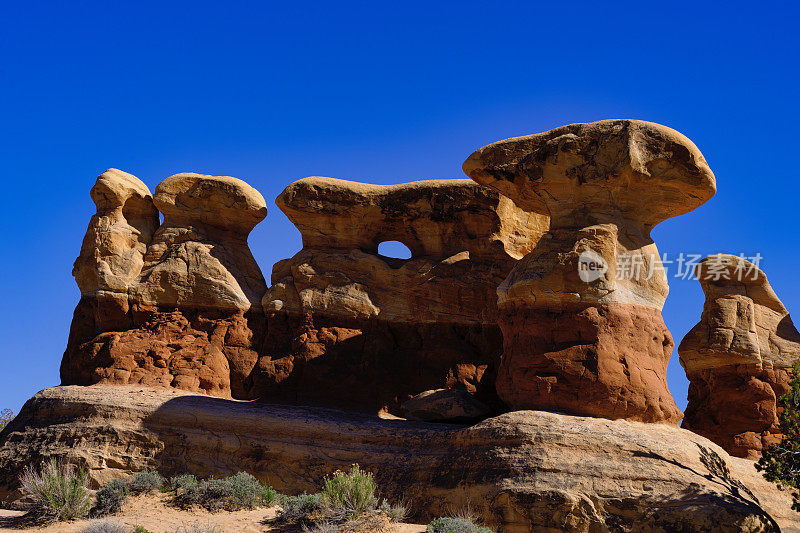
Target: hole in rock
(394, 249)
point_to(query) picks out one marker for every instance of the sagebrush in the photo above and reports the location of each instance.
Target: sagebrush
(110, 498)
(59, 491)
(105, 526)
(239, 491)
(455, 525)
(350, 494)
(146, 482)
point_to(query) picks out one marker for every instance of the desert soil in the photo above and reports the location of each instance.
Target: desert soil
(153, 513)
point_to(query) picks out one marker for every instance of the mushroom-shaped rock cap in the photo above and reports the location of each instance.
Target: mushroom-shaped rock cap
(590, 172)
(114, 188)
(220, 201)
(431, 217)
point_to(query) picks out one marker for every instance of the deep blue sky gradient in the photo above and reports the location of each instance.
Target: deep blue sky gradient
(378, 92)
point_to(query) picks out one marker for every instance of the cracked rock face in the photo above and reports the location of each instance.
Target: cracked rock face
(169, 305)
(581, 312)
(407, 325)
(739, 354)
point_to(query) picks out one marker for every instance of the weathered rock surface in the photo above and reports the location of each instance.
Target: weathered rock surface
(350, 328)
(605, 185)
(445, 405)
(521, 471)
(738, 358)
(112, 253)
(181, 314)
(199, 257)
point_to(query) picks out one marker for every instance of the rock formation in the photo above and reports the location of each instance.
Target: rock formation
(180, 315)
(581, 313)
(350, 328)
(738, 358)
(521, 471)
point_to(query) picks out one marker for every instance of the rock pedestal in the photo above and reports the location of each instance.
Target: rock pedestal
(581, 313)
(738, 358)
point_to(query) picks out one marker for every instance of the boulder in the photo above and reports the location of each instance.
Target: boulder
(445, 405)
(738, 358)
(182, 317)
(521, 471)
(581, 313)
(353, 329)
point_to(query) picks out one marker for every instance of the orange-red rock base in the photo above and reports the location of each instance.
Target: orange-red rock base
(605, 361)
(736, 407)
(367, 366)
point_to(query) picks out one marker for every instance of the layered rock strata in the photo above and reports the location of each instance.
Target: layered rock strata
(581, 313)
(738, 358)
(169, 304)
(521, 471)
(351, 328)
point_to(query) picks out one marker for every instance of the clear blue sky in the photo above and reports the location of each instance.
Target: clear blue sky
(378, 92)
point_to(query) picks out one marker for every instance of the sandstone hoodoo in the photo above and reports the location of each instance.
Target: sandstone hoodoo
(738, 358)
(181, 313)
(592, 342)
(353, 329)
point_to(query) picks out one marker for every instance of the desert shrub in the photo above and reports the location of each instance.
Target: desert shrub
(322, 527)
(296, 508)
(105, 526)
(6, 416)
(780, 463)
(396, 512)
(141, 529)
(110, 497)
(240, 491)
(183, 482)
(58, 490)
(349, 494)
(200, 528)
(145, 482)
(455, 525)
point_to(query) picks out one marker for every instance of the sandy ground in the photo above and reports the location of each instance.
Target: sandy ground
(153, 513)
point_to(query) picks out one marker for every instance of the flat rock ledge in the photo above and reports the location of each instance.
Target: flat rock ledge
(521, 471)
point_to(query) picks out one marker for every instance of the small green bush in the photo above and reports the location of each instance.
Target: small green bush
(297, 508)
(105, 526)
(455, 525)
(58, 490)
(183, 482)
(6, 416)
(145, 482)
(240, 491)
(350, 493)
(141, 529)
(396, 512)
(110, 498)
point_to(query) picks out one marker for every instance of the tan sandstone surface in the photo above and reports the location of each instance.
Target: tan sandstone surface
(592, 345)
(739, 354)
(520, 471)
